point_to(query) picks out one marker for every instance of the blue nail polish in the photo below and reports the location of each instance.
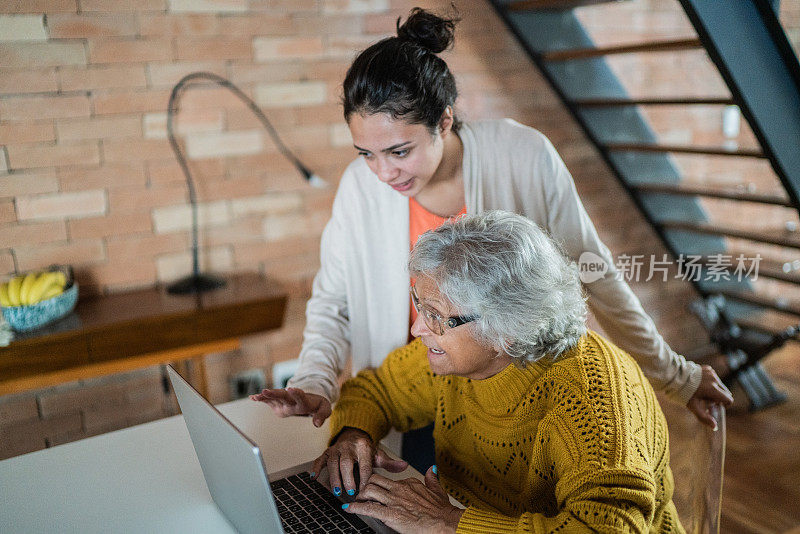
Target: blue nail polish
(344, 506)
(351, 492)
(337, 491)
(435, 471)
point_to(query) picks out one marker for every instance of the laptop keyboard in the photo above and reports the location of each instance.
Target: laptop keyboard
(305, 505)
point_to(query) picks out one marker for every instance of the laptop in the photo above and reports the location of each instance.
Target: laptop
(289, 501)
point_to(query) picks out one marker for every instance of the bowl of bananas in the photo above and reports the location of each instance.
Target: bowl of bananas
(30, 301)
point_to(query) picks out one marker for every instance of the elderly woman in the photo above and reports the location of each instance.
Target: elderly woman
(540, 424)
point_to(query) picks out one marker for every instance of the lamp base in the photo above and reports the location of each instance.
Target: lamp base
(195, 284)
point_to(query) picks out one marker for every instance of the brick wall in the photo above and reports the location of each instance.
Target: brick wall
(87, 176)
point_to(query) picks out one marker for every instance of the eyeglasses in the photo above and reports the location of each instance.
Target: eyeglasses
(435, 322)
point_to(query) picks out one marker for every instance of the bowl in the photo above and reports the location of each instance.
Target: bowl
(33, 316)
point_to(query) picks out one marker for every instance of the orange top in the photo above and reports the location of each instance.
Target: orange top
(420, 221)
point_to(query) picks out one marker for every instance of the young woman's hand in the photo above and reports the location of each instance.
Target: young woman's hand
(710, 391)
(352, 447)
(293, 401)
(408, 505)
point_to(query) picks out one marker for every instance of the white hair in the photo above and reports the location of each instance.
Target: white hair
(504, 269)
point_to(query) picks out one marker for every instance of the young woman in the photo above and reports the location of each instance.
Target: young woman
(419, 165)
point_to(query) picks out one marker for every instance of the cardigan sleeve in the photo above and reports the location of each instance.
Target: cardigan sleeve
(399, 394)
(611, 300)
(326, 336)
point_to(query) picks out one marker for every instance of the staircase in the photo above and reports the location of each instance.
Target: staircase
(733, 198)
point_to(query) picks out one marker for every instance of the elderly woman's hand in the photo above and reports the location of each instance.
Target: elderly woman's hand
(294, 401)
(711, 391)
(408, 505)
(353, 446)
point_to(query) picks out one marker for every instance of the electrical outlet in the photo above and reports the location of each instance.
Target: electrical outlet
(247, 383)
(283, 371)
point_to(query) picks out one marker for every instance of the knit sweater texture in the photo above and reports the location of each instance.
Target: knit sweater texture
(572, 444)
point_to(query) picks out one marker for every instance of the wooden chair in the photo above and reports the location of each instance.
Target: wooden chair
(697, 458)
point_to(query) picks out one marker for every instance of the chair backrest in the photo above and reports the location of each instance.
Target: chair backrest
(697, 459)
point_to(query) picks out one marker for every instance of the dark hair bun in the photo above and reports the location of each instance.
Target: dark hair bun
(429, 31)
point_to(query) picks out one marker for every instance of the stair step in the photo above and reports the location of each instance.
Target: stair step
(775, 270)
(711, 192)
(781, 305)
(686, 149)
(781, 238)
(666, 101)
(768, 325)
(653, 46)
(525, 5)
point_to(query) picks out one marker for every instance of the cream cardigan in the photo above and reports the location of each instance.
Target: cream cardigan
(360, 298)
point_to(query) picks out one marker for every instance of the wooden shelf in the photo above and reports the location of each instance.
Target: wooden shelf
(654, 46)
(130, 330)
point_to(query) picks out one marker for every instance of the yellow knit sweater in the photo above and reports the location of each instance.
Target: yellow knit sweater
(578, 444)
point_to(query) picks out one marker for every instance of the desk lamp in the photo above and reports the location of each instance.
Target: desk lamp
(198, 282)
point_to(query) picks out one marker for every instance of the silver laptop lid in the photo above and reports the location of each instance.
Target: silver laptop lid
(232, 464)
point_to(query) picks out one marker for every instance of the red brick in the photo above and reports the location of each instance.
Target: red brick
(243, 119)
(210, 190)
(27, 184)
(130, 51)
(62, 155)
(15, 81)
(6, 265)
(204, 49)
(122, 274)
(114, 6)
(99, 128)
(26, 132)
(57, 206)
(252, 25)
(108, 176)
(246, 230)
(314, 24)
(139, 248)
(169, 172)
(158, 24)
(127, 199)
(292, 47)
(130, 102)
(168, 74)
(76, 253)
(43, 107)
(103, 77)
(7, 213)
(320, 114)
(39, 6)
(111, 225)
(50, 54)
(91, 25)
(248, 73)
(33, 234)
(133, 150)
(21, 437)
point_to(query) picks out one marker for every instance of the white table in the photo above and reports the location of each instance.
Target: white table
(141, 479)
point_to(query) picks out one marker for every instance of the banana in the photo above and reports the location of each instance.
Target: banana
(13, 290)
(25, 288)
(53, 291)
(4, 301)
(42, 284)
